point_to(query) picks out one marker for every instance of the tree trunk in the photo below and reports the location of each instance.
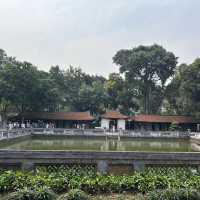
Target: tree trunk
(4, 120)
(146, 99)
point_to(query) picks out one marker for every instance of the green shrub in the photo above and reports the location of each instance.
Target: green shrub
(139, 197)
(28, 194)
(75, 194)
(86, 179)
(58, 184)
(174, 126)
(44, 194)
(7, 179)
(172, 194)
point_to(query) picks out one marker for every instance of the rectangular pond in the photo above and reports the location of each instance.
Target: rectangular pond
(85, 143)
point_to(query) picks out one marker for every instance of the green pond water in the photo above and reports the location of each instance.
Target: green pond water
(99, 144)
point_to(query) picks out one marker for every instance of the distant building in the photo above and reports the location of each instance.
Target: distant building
(113, 120)
(59, 119)
(163, 122)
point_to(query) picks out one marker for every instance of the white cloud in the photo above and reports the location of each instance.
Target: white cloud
(87, 33)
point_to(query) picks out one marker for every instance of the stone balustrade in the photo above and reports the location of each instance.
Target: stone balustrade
(8, 134)
(104, 161)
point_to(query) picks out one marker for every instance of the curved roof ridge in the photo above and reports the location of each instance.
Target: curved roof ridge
(113, 114)
(79, 116)
(164, 118)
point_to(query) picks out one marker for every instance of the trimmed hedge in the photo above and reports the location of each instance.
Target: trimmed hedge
(62, 180)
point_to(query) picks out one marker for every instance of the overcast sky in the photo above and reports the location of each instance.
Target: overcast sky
(87, 33)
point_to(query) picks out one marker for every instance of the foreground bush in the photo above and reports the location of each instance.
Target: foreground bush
(75, 194)
(28, 194)
(172, 194)
(61, 180)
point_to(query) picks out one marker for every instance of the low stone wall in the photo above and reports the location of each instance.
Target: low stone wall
(5, 134)
(101, 132)
(15, 133)
(105, 161)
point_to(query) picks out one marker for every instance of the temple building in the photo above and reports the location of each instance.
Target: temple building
(163, 122)
(59, 119)
(113, 120)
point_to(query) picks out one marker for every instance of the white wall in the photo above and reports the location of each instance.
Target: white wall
(105, 123)
(121, 124)
(198, 127)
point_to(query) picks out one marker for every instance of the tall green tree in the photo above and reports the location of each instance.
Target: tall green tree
(92, 98)
(183, 93)
(114, 86)
(81, 91)
(74, 78)
(24, 88)
(120, 95)
(144, 67)
(173, 103)
(5, 93)
(57, 80)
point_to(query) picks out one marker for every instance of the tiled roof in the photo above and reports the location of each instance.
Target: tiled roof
(114, 115)
(164, 118)
(73, 116)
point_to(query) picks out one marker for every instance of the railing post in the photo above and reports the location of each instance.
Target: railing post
(27, 166)
(139, 166)
(198, 168)
(102, 166)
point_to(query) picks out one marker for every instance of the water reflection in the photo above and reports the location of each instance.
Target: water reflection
(103, 144)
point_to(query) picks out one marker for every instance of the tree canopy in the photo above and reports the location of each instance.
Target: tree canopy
(147, 68)
(149, 81)
(183, 93)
